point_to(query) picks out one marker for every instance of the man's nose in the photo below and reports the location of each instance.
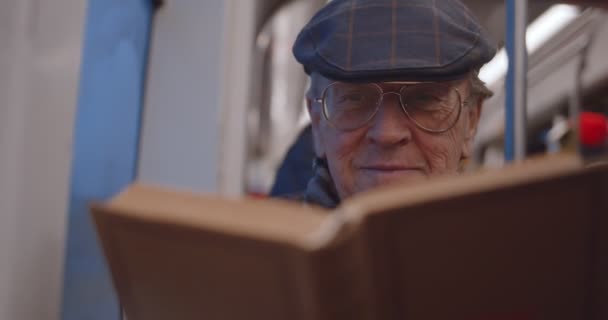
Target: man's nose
(390, 125)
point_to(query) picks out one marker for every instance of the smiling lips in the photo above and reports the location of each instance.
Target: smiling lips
(384, 173)
(391, 167)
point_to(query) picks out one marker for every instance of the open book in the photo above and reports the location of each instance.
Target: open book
(523, 243)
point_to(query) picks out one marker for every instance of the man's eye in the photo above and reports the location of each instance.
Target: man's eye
(427, 102)
(427, 98)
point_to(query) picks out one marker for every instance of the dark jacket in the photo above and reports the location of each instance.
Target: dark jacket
(303, 177)
(296, 169)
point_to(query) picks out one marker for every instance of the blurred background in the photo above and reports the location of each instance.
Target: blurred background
(203, 95)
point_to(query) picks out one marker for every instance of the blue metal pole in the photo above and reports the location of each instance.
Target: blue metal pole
(516, 83)
(105, 147)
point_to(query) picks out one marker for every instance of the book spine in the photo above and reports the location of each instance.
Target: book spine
(334, 281)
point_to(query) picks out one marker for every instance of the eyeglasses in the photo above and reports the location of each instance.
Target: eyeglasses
(434, 107)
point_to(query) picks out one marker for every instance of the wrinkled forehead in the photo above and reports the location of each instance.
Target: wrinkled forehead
(320, 82)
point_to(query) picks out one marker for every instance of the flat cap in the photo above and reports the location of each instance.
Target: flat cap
(373, 40)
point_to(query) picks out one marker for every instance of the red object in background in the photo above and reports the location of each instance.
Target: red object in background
(593, 128)
(257, 195)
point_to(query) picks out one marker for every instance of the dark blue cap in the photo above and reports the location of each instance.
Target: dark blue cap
(382, 40)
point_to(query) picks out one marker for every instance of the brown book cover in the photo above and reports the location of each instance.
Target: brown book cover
(523, 243)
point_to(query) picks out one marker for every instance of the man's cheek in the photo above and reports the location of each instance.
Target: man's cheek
(441, 158)
(343, 177)
(344, 145)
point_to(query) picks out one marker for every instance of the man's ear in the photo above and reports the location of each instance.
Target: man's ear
(472, 114)
(314, 110)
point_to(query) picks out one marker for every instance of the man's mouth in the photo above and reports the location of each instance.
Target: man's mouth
(375, 174)
(391, 168)
(389, 173)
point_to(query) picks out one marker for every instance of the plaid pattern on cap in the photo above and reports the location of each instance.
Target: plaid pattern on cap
(369, 40)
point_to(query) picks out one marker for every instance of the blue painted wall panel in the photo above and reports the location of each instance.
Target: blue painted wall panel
(105, 143)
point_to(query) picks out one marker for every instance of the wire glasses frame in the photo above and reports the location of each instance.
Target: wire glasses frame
(461, 104)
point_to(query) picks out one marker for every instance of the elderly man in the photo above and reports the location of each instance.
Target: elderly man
(394, 93)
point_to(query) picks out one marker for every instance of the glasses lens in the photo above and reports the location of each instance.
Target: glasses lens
(350, 106)
(433, 106)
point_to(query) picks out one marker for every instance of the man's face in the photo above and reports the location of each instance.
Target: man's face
(390, 148)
